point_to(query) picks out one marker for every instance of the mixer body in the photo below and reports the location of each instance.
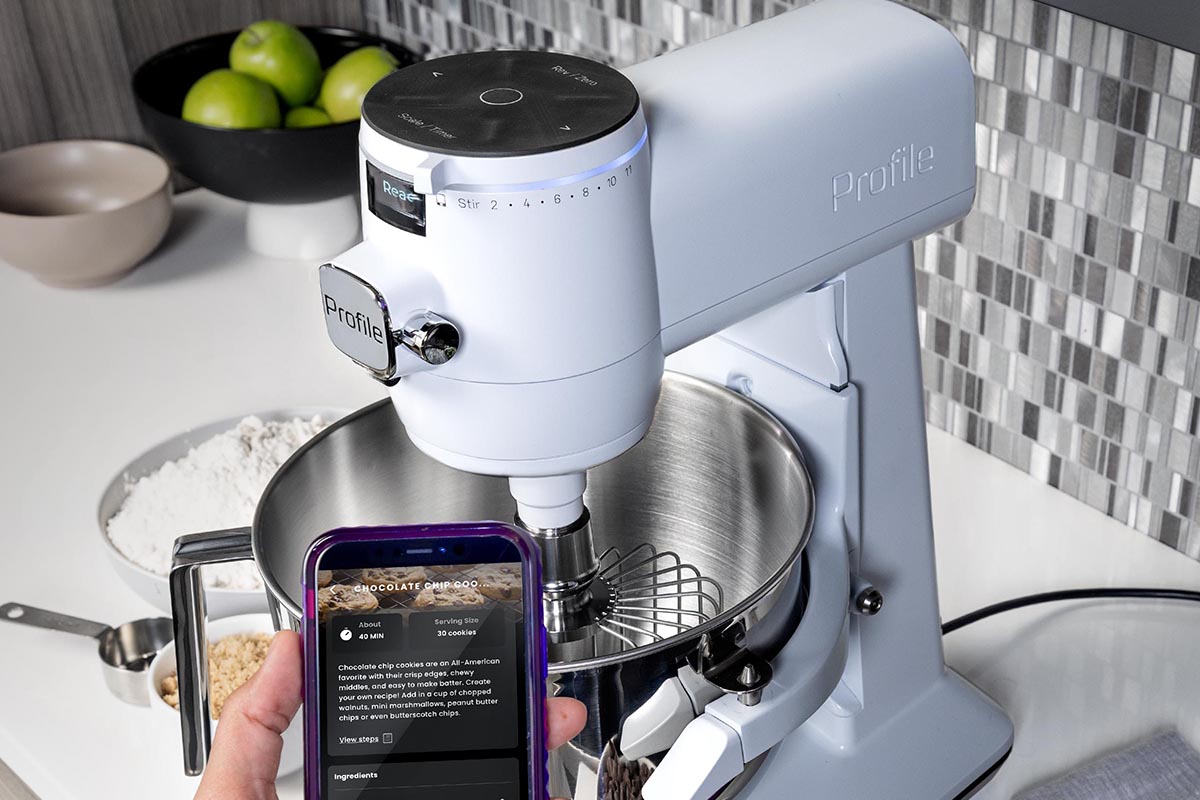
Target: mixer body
(540, 234)
(747, 205)
(895, 721)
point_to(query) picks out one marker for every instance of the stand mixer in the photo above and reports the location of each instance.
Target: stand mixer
(542, 234)
(541, 231)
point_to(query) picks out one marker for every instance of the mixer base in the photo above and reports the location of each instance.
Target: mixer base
(946, 746)
(983, 779)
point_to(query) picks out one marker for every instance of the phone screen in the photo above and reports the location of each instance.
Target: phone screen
(422, 670)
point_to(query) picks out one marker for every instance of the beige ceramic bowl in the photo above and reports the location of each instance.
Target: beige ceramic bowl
(81, 212)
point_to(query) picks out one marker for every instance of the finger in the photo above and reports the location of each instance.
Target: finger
(565, 718)
(246, 748)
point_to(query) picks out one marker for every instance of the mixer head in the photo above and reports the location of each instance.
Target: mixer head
(505, 291)
(505, 288)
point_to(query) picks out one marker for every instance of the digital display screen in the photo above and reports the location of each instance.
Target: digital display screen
(394, 200)
(422, 685)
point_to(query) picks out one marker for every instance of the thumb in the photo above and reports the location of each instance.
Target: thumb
(248, 742)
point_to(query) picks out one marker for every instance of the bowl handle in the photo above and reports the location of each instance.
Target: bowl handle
(191, 639)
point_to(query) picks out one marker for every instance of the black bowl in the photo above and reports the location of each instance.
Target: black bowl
(267, 165)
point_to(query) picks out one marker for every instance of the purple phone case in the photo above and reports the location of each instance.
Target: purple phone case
(535, 635)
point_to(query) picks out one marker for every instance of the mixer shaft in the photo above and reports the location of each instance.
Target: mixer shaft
(594, 604)
(572, 601)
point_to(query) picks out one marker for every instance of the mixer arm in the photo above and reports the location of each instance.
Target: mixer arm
(790, 150)
(714, 748)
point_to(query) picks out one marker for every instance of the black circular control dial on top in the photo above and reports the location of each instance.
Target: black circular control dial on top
(500, 103)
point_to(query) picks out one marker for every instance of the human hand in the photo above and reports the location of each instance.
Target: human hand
(248, 742)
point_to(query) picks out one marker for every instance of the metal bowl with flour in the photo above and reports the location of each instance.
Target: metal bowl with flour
(716, 495)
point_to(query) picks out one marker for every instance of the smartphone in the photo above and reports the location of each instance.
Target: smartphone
(425, 664)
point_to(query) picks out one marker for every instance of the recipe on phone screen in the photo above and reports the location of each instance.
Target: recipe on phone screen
(423, 684)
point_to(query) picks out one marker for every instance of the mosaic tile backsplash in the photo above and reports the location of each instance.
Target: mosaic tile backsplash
(1060, 319)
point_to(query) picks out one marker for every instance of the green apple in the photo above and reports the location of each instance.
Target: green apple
(227, 99)
(316, 103)
(280, 55)
(306, 117)
(348, 81)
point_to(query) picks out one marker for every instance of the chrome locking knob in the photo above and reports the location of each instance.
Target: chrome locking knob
(431, 338)
(865, 599)
(868, 602)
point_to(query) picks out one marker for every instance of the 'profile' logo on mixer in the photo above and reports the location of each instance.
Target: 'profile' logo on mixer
(906, 164)
(355, 320)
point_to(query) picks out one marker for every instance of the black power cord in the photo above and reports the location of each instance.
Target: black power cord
(1069, 594)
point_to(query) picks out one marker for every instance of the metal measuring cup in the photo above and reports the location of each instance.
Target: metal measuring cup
(125, 651)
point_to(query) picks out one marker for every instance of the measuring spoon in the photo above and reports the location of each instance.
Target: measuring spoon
(125, 651)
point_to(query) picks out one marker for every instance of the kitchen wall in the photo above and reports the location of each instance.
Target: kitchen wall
(1060, 319)
(65, 65)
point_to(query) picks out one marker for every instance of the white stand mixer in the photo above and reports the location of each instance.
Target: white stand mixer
(542, 232)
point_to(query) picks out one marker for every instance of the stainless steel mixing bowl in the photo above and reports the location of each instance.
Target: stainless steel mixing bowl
(717, 481)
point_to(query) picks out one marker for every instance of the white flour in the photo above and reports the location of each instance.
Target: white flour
(216, 485)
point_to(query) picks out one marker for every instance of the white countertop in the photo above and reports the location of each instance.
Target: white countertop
(206, 330)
